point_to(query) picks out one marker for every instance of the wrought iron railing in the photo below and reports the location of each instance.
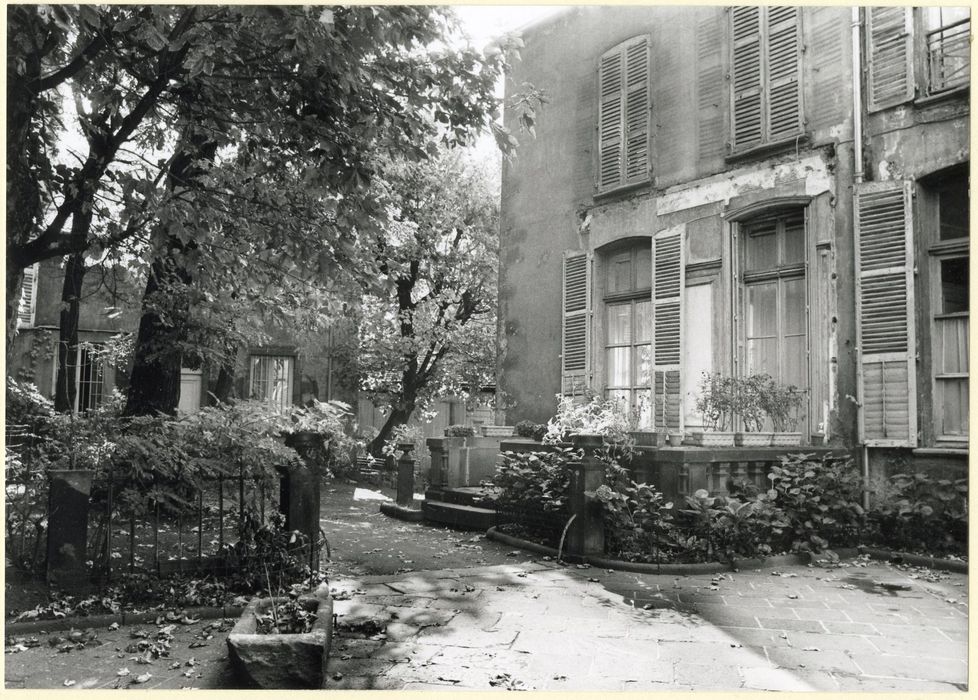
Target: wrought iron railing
(949, 56)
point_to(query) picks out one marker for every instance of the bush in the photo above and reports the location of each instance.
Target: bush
(820, 500)
(917, 512)
(459, 431)
(531, 481)
(529, 429)
(725, 527)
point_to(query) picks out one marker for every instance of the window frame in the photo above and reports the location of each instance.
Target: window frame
(623, 182)
(922, 48)
(273, 354)
(766, 143)
(743, 279)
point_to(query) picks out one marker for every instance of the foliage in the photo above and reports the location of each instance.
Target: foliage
(820, 499)
(427, 315)
(421, 455)
(748, 400)
(334, 447)
(267, 555)
(592, 416)
(732, 528)
(291, 616)
(531, 481)
(918, 512)
(716, 400)
(529, 429)
(781, 403)
(459, 431)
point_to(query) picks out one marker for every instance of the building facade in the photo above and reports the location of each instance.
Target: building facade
(743, 190)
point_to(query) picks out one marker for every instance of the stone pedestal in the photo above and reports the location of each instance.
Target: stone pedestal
(405, 475)
(300, 490)
(68, 494)
(586, 533)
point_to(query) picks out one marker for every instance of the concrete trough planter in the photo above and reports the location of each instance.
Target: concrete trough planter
(270, 661)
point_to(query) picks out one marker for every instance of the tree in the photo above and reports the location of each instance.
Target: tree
(296, 104)
(427, 321)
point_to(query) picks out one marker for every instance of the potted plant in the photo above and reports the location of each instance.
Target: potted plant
(590, 417)
(715, 403)
(749, 402)
(675, 438)
(781, 403)
(639, 425)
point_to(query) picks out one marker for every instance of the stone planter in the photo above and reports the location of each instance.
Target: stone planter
(675, 439)
(786, 439)
(644, 438)
(497, 430)
(708, 439)
(752, 439)
(68, 499)
(271, 661)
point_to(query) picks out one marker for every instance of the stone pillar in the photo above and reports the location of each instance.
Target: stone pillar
(405, 475)
(68, 494)
(438, 455)
(301, 486)
(586, 533)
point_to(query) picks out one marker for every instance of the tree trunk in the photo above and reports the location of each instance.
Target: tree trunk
(154, 385)
(65, 386)
(224, 384)
(398, 416)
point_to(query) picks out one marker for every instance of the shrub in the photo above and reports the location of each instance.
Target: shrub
(726, 528)
(919, 512)
(535, 480)
(820, 500)
(529, 429)
(459, 431)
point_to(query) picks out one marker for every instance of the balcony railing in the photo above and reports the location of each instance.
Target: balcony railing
(949, 56)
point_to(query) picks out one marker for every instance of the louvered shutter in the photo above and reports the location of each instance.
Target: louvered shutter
(885, 333)
(746, 77)
(575, 336)
(889, 38)
(783, 115)
(623, 115)
(28, 298)
(667, 295)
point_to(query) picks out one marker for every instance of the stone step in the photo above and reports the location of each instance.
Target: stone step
(471, 496)
(457, 515)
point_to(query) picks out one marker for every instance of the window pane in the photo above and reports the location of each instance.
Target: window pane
(643, 267)
(621, 397)
(952, 333)
(794, 239)
(643, 321)
(618, 367)
(620, 273)
(619, 324)
(794, 317)
(937, 17)
(643, 408)
(643, 365)
(954, 285)
(90, 378)
(953, 209)
(953, 401)
(762, 356)
(795, 363)
(762, 245)
(271, 379)
(762, 310)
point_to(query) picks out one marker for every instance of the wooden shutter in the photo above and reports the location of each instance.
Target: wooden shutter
(889, 39)
(710, 84)
(667, 295)
(623, 115)
(783, 115)
(885, 333)
(28, 298)
(575, 336)
(746, 78)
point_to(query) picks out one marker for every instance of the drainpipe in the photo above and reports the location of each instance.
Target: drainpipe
(857, 177)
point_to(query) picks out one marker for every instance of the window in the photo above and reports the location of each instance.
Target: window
(766, 97)
(623, 115)
(628, 330)
(774, 298)
(948, 48)
(91, 376)
(949, 302)
(28, 298)
(270, 379)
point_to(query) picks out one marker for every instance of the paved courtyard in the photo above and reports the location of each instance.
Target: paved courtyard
(534, 625)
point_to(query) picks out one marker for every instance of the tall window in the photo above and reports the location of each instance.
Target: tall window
(628, 324)
(270, 379)
(948, 48)
(949, 302)
(91, 376)
(766, 94)
(774, 297)
(623, 115)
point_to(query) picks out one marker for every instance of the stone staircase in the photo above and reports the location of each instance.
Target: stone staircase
(460, 507)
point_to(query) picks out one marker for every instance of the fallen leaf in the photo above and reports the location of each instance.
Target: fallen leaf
(114, 626)
(811, 649)
(69, 683)
(143, 678)
(122, 672)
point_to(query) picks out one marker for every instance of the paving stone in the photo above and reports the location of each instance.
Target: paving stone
(760, 678)
(840, 642)
(862, 683)
(424, 617)
(398, 601)
(747, 636)
(914, 667)
(782, 623)
(824, 660)
(718, 652)
(465, 637)
(923, 633)
(707, 676)
(823, 614)
(355, 667)
(912, 647)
